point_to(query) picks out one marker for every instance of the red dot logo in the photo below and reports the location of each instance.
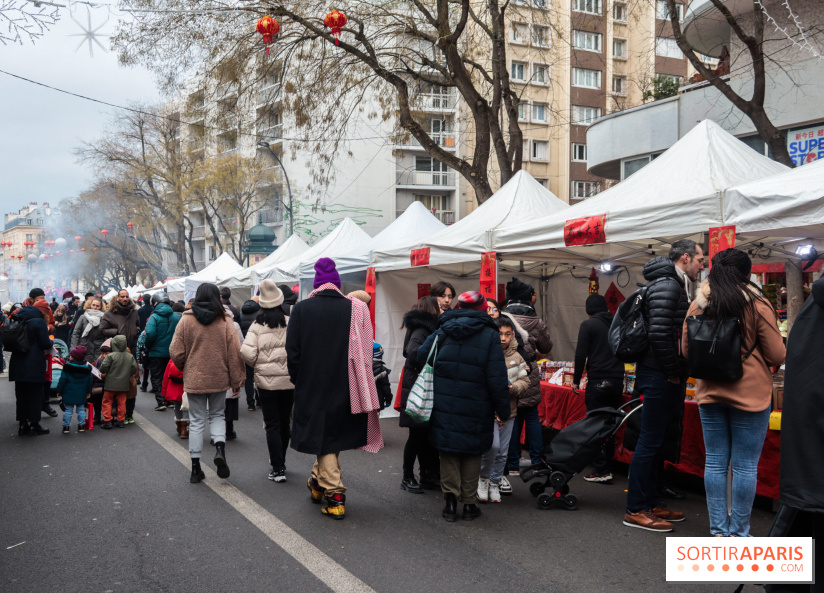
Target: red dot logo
(770, 568)
(739, 568)
(710, 567)
(755, 568)
(695, 568)
(725, 568)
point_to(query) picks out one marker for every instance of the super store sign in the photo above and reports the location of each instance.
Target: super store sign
(806, 145)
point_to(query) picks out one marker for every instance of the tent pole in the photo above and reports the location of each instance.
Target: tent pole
(795, 291)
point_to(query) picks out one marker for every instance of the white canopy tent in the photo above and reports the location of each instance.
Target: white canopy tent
(454, 256)
(224, 265)
(293, 247)
(343, 239)
(415, 224)
(680, 194)
(109, 295)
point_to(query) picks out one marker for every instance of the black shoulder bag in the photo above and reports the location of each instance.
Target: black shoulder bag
(715, 349)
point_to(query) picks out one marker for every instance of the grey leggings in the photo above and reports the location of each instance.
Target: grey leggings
(198, 404)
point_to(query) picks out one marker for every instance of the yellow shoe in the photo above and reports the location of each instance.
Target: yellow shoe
(334, 506)
(316, 490)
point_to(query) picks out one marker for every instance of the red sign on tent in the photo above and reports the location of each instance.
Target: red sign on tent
(419, 257)
(489, 274)
(614, 298)
(585, 231)
(721, 238)
(370, 290)
(423, 290)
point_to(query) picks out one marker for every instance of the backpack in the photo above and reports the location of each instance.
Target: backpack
(16, 336)
(628, 334)
(715, 349)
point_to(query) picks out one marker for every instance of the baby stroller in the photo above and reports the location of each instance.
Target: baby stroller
(570, 452)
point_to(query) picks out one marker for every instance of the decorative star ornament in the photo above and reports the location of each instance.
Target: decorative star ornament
(89, 34)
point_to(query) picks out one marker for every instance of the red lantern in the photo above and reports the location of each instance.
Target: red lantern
(268, 27)
(130, 226)
(77, 238)
(71, 250)
(335, 20)
(19, 257)
(95, 248)
(83, 249)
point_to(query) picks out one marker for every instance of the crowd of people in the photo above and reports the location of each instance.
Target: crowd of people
(313, 369)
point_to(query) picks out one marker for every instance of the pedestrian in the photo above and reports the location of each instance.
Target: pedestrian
(206, 348)
(445, 293)
(99, 383)
(38, 299)
(225, 298)
(470, 390)
(145, 311)
(494, 460)
(520, 307)
(493, 309)
(117, 369)
(248, 313)
(76, 310)
(328, 346)
(143, 314)
(62, 329)
(264, 351)
(87, 332)
(661, 376)
(420, 322)
(121, 319)
(381, 374)
(173, 389)
(160, 329)
(735, 415)
(289, 298)
(75, 387)
(27, 369)
(178, 307)
(53, 304)
(605, 376)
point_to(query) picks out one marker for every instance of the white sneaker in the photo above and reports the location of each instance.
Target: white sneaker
(505, 486)
(494, 492)
(483, 489)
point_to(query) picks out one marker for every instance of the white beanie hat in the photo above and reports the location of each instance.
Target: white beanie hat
(270, 295)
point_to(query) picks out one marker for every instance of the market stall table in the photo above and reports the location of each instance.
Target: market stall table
(561, 406)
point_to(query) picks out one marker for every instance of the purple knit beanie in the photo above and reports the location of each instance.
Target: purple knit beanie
(325, 272)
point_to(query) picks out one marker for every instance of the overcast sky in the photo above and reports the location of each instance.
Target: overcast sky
(39, 127)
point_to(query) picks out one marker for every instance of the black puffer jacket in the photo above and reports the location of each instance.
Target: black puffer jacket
(666, 309)
(418, 326)
(248, 313)
(471, 383)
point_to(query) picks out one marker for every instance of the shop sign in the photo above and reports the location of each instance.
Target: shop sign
(807, 145)
(585, 231)
(419, 257)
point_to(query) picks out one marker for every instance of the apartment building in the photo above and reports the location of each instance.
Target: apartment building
(23, 235)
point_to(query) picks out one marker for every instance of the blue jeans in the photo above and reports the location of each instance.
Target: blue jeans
(81, 414)
(732, 436)
(534, 438)
(493, 461)
(660, 400)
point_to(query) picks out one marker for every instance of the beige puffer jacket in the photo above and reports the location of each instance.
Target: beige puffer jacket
(264, 349)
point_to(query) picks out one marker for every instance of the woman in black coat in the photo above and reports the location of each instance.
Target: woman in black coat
(28, 371)
(471, 387)
(420, 322)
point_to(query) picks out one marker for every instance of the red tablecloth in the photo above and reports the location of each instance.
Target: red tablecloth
(561, 406)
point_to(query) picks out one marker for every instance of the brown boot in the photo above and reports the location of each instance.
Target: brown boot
(178, 427)
(184, 429)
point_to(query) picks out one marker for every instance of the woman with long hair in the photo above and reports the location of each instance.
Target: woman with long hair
(62, 329)
(421, 321)
(445, 293)
(735, 414)
(207, 349)
(87, 331)
(264, 349)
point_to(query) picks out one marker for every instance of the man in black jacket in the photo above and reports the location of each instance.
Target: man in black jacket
(660, 377)
(605, 375)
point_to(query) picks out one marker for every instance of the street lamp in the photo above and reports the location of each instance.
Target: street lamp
(288, 187)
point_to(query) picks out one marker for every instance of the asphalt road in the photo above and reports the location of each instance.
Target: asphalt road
(110, 511)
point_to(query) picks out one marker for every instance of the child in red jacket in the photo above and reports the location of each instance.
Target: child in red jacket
(172, 391)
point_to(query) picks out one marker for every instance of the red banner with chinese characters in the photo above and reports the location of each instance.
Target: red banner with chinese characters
(489, 274)
(614, 298)
(501, 294)
(419, 257)
(370, 290)
(721, 238)
(585, 231)
(423, 290)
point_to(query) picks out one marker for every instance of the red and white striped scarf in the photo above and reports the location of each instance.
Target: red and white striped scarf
(362, 390)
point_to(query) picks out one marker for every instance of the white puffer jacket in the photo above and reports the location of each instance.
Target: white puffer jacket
(264, 349)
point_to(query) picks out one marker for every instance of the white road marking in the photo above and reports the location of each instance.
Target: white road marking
(332, 574)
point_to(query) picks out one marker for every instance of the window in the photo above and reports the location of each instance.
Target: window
(579, 152)
(590, 6)
(426, 163)
(544, 182)
(587, 41)
(619, 49)
(539, 150)
(540, 36)
(522, 111)
(212, 252)
(581, 190)
(539, 112)
(583, 115)
(590, 79)
(671, 78)
(619, 85)
(666, 47)
(540, 74)
(519, 33)
(634, 165)
(540, 3)
(29, 237)
(662, 10)
(518, 71)
(619, 12)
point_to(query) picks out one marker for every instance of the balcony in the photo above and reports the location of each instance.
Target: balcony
(270, 133)
(196, 143)
(445, 140)
(198, 232)
(273, 217)
(418, 179)
(226, 91)
(267, 95)
(439, 103)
